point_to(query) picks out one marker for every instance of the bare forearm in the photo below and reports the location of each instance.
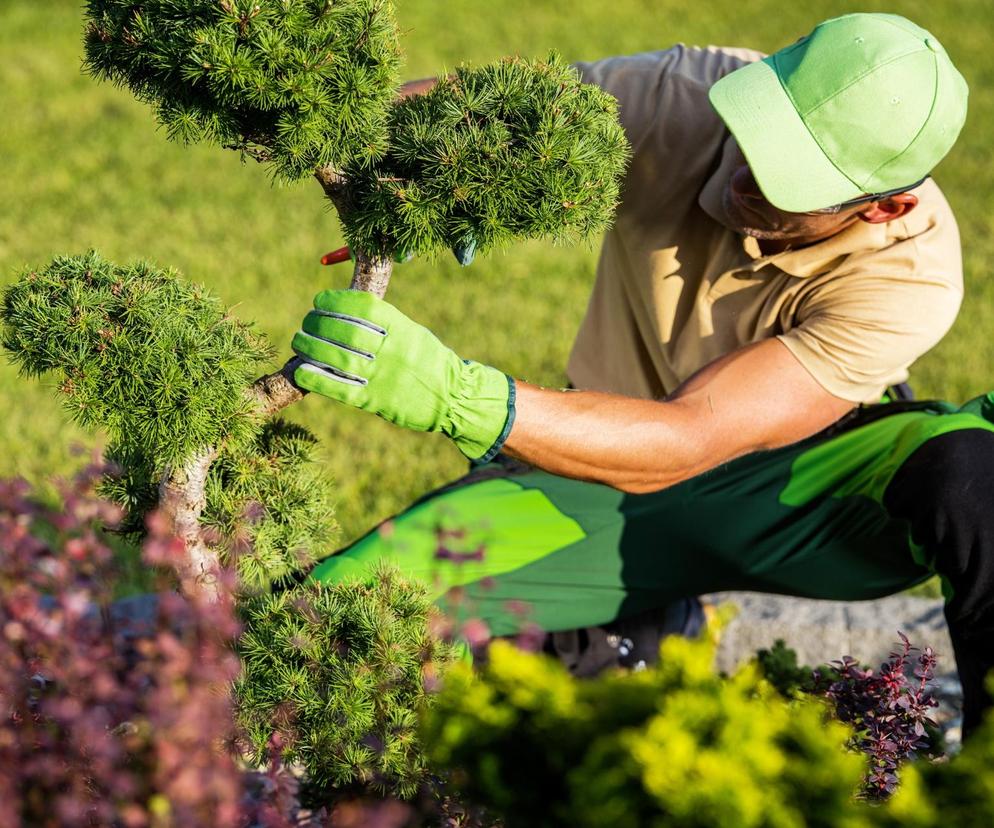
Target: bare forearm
(631, 444)
(757, 398)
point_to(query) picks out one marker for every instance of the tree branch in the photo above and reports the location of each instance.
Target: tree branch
(274, 392)
(372, 274)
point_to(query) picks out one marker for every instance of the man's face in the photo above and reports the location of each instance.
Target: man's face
(749, 213)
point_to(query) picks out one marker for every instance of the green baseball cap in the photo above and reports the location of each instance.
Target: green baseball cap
(866, 103)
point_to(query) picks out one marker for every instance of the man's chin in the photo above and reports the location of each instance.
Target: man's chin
(763, 235)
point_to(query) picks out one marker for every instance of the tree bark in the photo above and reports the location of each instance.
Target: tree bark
(182, 497)
(372, 274)
(182, 492)
(274, 392)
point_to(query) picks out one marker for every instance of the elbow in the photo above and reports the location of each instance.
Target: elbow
(647, 484)
(647, 481)
(638, 488)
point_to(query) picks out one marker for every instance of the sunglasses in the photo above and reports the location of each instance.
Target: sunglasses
(866, 199)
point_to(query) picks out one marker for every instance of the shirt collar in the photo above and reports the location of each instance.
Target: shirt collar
(813, 260)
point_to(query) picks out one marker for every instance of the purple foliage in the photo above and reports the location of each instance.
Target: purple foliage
(102, 725)
(888, 711)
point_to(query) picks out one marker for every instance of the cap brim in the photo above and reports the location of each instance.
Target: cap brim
(790, 168)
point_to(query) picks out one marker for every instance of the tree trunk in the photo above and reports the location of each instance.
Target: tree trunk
(182, 492)
(372, 274)
(182, 497)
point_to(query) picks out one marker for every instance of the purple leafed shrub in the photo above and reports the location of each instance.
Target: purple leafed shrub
(105, 726)
(889, 712)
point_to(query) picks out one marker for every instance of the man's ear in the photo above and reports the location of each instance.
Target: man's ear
(890, 208)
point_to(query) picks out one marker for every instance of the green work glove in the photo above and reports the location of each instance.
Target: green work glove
(362, 351)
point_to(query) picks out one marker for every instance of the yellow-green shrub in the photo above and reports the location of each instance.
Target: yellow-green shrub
(676, 746)
(673, 746)
(956, 793)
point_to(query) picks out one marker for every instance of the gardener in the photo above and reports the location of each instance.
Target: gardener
(779, 260)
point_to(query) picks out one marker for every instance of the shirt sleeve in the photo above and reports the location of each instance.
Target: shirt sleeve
(642, 83)
(860, 335)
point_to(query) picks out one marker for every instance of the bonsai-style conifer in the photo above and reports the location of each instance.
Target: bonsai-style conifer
(510, 151)
(338, 671)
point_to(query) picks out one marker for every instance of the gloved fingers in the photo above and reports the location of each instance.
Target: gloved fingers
(363, 307)
(333, 355)
(328, 382)
(347, 331)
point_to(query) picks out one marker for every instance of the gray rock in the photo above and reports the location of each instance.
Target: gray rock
(822, 631)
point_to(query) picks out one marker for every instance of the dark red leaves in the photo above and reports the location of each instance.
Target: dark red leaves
(889, 712)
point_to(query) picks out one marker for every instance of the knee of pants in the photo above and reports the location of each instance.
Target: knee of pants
(945, 490)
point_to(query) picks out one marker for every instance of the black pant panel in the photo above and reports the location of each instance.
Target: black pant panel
(945, 490)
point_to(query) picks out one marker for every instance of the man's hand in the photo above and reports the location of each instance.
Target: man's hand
(759, 397)
(362, 351)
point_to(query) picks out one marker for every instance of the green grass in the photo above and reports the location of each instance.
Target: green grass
(83, 166)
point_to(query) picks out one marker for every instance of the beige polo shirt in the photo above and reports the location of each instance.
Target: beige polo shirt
(675, 289)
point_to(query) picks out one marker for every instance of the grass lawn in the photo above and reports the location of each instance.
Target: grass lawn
(85, 167)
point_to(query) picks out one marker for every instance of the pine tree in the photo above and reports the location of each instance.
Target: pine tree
(162, 367)
(509, 151)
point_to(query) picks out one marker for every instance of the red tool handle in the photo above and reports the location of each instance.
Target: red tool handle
(343, 254)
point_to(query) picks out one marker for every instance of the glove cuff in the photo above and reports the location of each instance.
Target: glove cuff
(481, 414)
(498, 444)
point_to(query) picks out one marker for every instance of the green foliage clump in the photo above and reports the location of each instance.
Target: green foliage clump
(270, 506)
(132, 481)
(301, 83)
(268, 511)
(672, 746)
(163, 368)
(339, 672)
(677, 746)
(778, 665)
(513, 150)
(151, 358)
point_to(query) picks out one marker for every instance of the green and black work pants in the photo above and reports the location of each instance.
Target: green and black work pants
(887, 498)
